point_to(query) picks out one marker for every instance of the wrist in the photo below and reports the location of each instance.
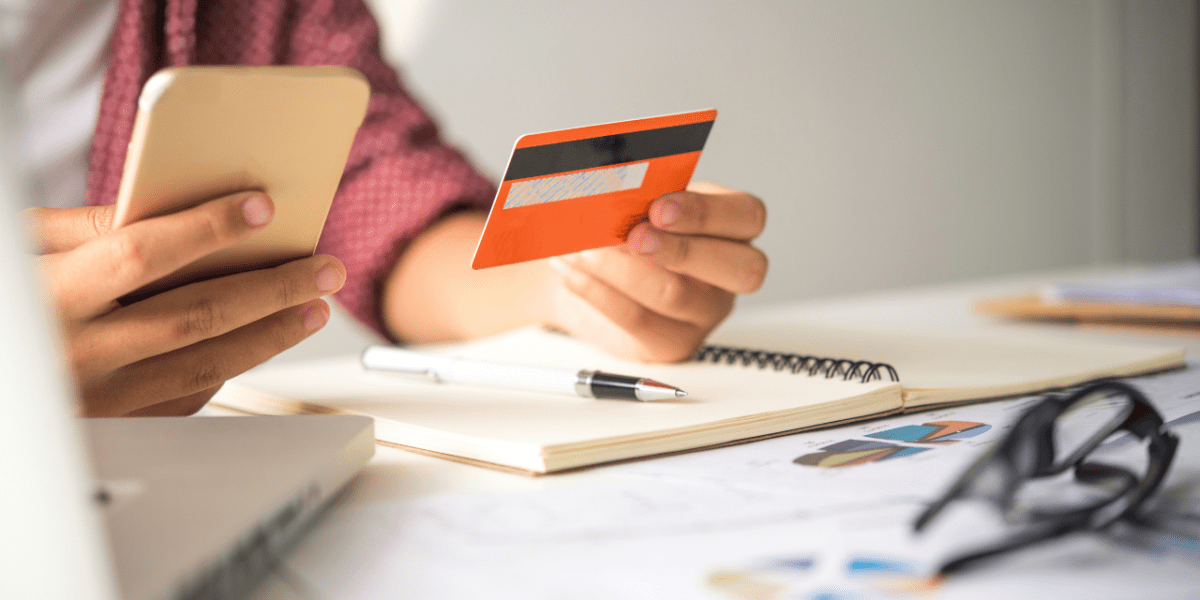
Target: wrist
(433, 295)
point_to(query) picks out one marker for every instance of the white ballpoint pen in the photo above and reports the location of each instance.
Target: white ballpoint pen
(585, 383)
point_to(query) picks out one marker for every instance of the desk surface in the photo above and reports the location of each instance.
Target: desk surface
(394, 475)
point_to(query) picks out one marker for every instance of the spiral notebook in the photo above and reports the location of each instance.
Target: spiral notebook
(752, 383)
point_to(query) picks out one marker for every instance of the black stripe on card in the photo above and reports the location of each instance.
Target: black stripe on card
(539, 161)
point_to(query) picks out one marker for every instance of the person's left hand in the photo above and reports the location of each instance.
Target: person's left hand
(657, 297)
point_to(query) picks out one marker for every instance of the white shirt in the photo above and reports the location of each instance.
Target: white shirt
(57, 53)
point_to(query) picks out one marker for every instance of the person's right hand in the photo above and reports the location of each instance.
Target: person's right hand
(168, 354)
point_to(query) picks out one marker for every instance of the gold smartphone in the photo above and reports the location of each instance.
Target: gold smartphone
(204, 132)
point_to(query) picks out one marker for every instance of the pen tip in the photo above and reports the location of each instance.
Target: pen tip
(649, 390)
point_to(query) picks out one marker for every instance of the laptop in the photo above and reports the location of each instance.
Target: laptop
(140, 508)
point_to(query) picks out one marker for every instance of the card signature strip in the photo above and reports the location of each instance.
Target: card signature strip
(576, 185)
(591, 153)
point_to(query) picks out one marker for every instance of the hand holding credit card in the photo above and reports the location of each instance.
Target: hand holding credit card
(649, 263)
(576, 189)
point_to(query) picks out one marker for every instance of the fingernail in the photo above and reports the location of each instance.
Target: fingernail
(315, 318)
(328, 279)
(651, 241)
(256, 210)
(560, 265)
(574, 279)
(668, 213)
(588, 256)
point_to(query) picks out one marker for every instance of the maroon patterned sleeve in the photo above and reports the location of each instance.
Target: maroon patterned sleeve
(400, 175)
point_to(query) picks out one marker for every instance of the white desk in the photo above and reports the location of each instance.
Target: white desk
(396, 475)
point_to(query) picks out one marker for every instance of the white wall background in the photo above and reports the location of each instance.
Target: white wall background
(894, 142)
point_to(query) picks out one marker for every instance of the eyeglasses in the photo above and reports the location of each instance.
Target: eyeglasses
(1088, 432)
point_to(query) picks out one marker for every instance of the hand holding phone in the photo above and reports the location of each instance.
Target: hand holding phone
(204, 137)
(169, 353)
(206, 132)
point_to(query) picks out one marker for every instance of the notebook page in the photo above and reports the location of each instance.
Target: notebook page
(523, 429)
(942, 368)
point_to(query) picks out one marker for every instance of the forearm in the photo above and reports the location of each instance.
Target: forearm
(433, 295)
(654, 298)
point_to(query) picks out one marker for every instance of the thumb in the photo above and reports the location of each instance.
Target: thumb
(63, 229)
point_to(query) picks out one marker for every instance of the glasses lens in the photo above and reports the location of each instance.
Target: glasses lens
(1047, 497)
(1095, 464)
(1087, 423)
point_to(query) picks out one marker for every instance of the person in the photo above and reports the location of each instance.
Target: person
(396, 248)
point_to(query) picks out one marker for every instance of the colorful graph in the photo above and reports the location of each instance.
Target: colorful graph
(876, 565)
(848, 453)
(936, 432)
(866, 576)
(797, 564)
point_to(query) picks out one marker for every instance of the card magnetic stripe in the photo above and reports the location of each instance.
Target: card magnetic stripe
(590, 153)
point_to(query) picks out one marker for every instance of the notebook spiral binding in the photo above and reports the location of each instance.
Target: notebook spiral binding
(862, 370)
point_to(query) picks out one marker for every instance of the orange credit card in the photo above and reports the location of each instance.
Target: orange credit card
(576, 189)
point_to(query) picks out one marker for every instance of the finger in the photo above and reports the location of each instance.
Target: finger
(179, 407)
(204, 365)
(665, 292)
(729, 265)
(711, 210)
(87, 280)
(656, 338)
(63, 229)
(207, 309)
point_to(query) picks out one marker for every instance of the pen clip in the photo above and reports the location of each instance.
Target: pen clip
(397, 361)
(430, 373)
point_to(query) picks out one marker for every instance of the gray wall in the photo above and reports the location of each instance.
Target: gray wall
(894, 143)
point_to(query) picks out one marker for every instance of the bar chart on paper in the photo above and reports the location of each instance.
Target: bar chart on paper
(847, 453)
(936, 432)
